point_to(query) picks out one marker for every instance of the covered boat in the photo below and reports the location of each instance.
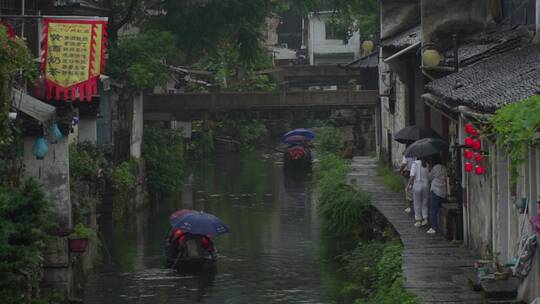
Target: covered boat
(188, 250)
(298, 153)
(189, 241)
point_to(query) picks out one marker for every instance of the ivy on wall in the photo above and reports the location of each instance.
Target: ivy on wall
(515, 126)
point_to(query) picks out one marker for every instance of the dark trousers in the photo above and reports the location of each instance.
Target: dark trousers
(436, 202)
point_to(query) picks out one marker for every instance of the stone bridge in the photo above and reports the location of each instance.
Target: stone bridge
(186, 106)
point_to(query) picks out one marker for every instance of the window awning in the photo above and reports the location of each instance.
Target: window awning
(31, 106)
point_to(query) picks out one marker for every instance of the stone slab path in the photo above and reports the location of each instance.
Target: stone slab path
(434, 268)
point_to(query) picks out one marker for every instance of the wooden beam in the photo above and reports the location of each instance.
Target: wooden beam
(227, 101)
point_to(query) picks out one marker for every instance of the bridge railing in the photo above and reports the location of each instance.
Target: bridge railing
(226, 101)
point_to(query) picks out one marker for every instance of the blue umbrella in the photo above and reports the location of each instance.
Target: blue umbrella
(200, 223)
(295, 139)
(299, 132)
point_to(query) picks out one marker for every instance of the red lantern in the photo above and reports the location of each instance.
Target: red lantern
(468, 154)
(468, 167)
(478, 157)
(469, 128)
(469, 142)
(479, 170)
(474, 132)
(477, 144)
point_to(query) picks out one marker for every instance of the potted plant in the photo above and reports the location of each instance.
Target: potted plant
(78, 239)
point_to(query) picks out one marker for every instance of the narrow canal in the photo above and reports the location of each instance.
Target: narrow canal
(272, 256)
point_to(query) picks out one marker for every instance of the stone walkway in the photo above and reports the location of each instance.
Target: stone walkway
(434, 268)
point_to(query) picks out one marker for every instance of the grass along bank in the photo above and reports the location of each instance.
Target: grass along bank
(389, 177)
(362, 243)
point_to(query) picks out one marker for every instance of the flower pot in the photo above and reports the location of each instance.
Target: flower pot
(78, 245)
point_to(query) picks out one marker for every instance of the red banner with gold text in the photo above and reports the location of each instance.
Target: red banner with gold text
(72, 57)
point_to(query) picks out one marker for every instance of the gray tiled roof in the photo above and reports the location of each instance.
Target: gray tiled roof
(404, 39)
(490, 84)
(484, 45)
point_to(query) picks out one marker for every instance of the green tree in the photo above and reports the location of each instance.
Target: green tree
(138, 60)
(206, 26)
(16, 66)
(356, 15)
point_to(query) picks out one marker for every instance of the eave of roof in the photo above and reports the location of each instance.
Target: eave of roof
(404, 39)
(368, 61)
(484, 45)
(492, 83)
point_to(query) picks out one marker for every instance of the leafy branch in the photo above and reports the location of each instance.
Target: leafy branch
(516, 125)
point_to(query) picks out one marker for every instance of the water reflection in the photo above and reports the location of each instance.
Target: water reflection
(271, 256)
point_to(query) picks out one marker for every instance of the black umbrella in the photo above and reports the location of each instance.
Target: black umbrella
(426, 147)
(414, 133)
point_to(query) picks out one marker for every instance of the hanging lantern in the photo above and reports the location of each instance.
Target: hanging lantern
(468, 154)
(56, 134)
(12, 116)
(468, 167)
(431, 58)
(479, 170)
(367, 46)
(40, 148)
(477, 144)
(468, 128)
(469, 142)
(478, 157)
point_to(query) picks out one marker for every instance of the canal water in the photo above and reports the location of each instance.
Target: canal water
(271, 256)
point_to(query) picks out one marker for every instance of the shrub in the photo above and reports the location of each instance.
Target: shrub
(23, 220)
(252, 132)
(328, 139)
(361, 265)
(247, 131)
(388, 284)
(85, 161)
(81, 231)
(339, 205)
(123, 175)
(162, 151)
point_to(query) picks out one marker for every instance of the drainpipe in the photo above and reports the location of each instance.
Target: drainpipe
(537, 37)
(456, 58)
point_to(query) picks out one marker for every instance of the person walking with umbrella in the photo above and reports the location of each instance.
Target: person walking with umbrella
(419, 184)
(405, 172)
(408, 136)
(439, 186)
(422, 149)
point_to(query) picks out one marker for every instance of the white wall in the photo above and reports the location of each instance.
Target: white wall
(52, 172)
(317, 38)
(137, 126)
(492, 223)
(87, 129)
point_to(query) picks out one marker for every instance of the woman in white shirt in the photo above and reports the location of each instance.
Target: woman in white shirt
(420, 188)
(438, 179)
(405, 171)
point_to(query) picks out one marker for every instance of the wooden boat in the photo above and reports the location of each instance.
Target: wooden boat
(298, 153)
(297, 156)
(184, 250)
